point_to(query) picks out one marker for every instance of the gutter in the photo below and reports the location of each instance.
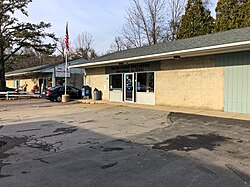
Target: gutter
(188, 52)
(28, 72)
(23, 73)
(15, 74)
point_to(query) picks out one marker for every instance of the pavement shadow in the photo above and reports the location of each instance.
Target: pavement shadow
(52, 153)
(174, 116)
(191, 142)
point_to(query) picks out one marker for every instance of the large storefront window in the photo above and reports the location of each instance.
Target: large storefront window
(115, 82)
(145, 82)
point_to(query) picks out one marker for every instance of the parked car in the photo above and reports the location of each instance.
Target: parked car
(7, 89)
(55, 93)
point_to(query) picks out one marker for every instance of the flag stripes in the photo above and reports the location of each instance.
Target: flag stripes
(66, 38)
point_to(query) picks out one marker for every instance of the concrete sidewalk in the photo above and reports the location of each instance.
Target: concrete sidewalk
(213, 113)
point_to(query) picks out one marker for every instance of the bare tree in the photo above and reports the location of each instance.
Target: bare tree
(145, 23)
(118, 45)
(61, 47)
(149, 22)
(28, 57)
(84, 46)
(175, 11)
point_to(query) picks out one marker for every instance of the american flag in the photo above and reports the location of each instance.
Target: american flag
(66, 38)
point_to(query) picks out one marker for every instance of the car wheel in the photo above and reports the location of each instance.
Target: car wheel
(59, 98)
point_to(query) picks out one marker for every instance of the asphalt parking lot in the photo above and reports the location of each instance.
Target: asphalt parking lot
(52, 144)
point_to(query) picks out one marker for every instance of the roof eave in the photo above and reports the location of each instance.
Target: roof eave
(218, 49)
(23, 73)
(16, 74)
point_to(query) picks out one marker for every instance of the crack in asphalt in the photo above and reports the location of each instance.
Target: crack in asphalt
(41, 160)
(43, 145)
(87, 121)
(62, 131)
(206, 170)
(245, 177)
(109, 165)
(28, 130)
(47, 125)
(7, 144)
(110, 149)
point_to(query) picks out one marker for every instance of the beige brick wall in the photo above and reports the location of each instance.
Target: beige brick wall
(187, 82)
(10, 83)
(30, 82)
(193, 88)
(96, 78)
(188, 63)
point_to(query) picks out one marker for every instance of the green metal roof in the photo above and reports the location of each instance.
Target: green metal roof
(231, 36)
(43, 67)
(32, 69)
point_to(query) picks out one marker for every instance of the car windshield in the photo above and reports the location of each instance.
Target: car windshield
(54, 88)
(74, 89)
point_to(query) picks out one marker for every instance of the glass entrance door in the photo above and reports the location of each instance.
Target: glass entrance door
(129, 87)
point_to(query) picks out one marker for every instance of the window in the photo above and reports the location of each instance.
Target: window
(62, 89)
(73, 89)
(16, 84)
(115, 82)
(145, 82)
(54, 88)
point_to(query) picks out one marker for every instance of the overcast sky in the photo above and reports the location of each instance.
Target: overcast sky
(102, 18)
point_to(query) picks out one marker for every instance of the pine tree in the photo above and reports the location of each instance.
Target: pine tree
(245, 13)
(232, 14)
(14, 34)
(196, 21)
(226, 15)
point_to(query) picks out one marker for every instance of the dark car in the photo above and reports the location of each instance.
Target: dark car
(55, 93)
(7, 89)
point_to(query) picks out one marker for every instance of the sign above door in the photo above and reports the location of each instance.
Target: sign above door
(130, 68)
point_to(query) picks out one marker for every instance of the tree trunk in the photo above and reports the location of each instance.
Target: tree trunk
(2, 75)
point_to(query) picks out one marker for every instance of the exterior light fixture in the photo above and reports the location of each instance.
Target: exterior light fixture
(177, 57)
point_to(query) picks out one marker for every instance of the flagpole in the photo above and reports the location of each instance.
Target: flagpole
(65, 97)
(66, 68)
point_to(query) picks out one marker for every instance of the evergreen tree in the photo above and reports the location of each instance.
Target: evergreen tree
(14, 35)
(232, 14)
(196, 21)
(244, 10)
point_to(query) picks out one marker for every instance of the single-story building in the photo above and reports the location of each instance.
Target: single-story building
(45, 76)
(204, 72)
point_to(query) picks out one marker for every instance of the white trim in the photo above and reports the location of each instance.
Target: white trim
(24, 73)
(162, 55)
(14, 74)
